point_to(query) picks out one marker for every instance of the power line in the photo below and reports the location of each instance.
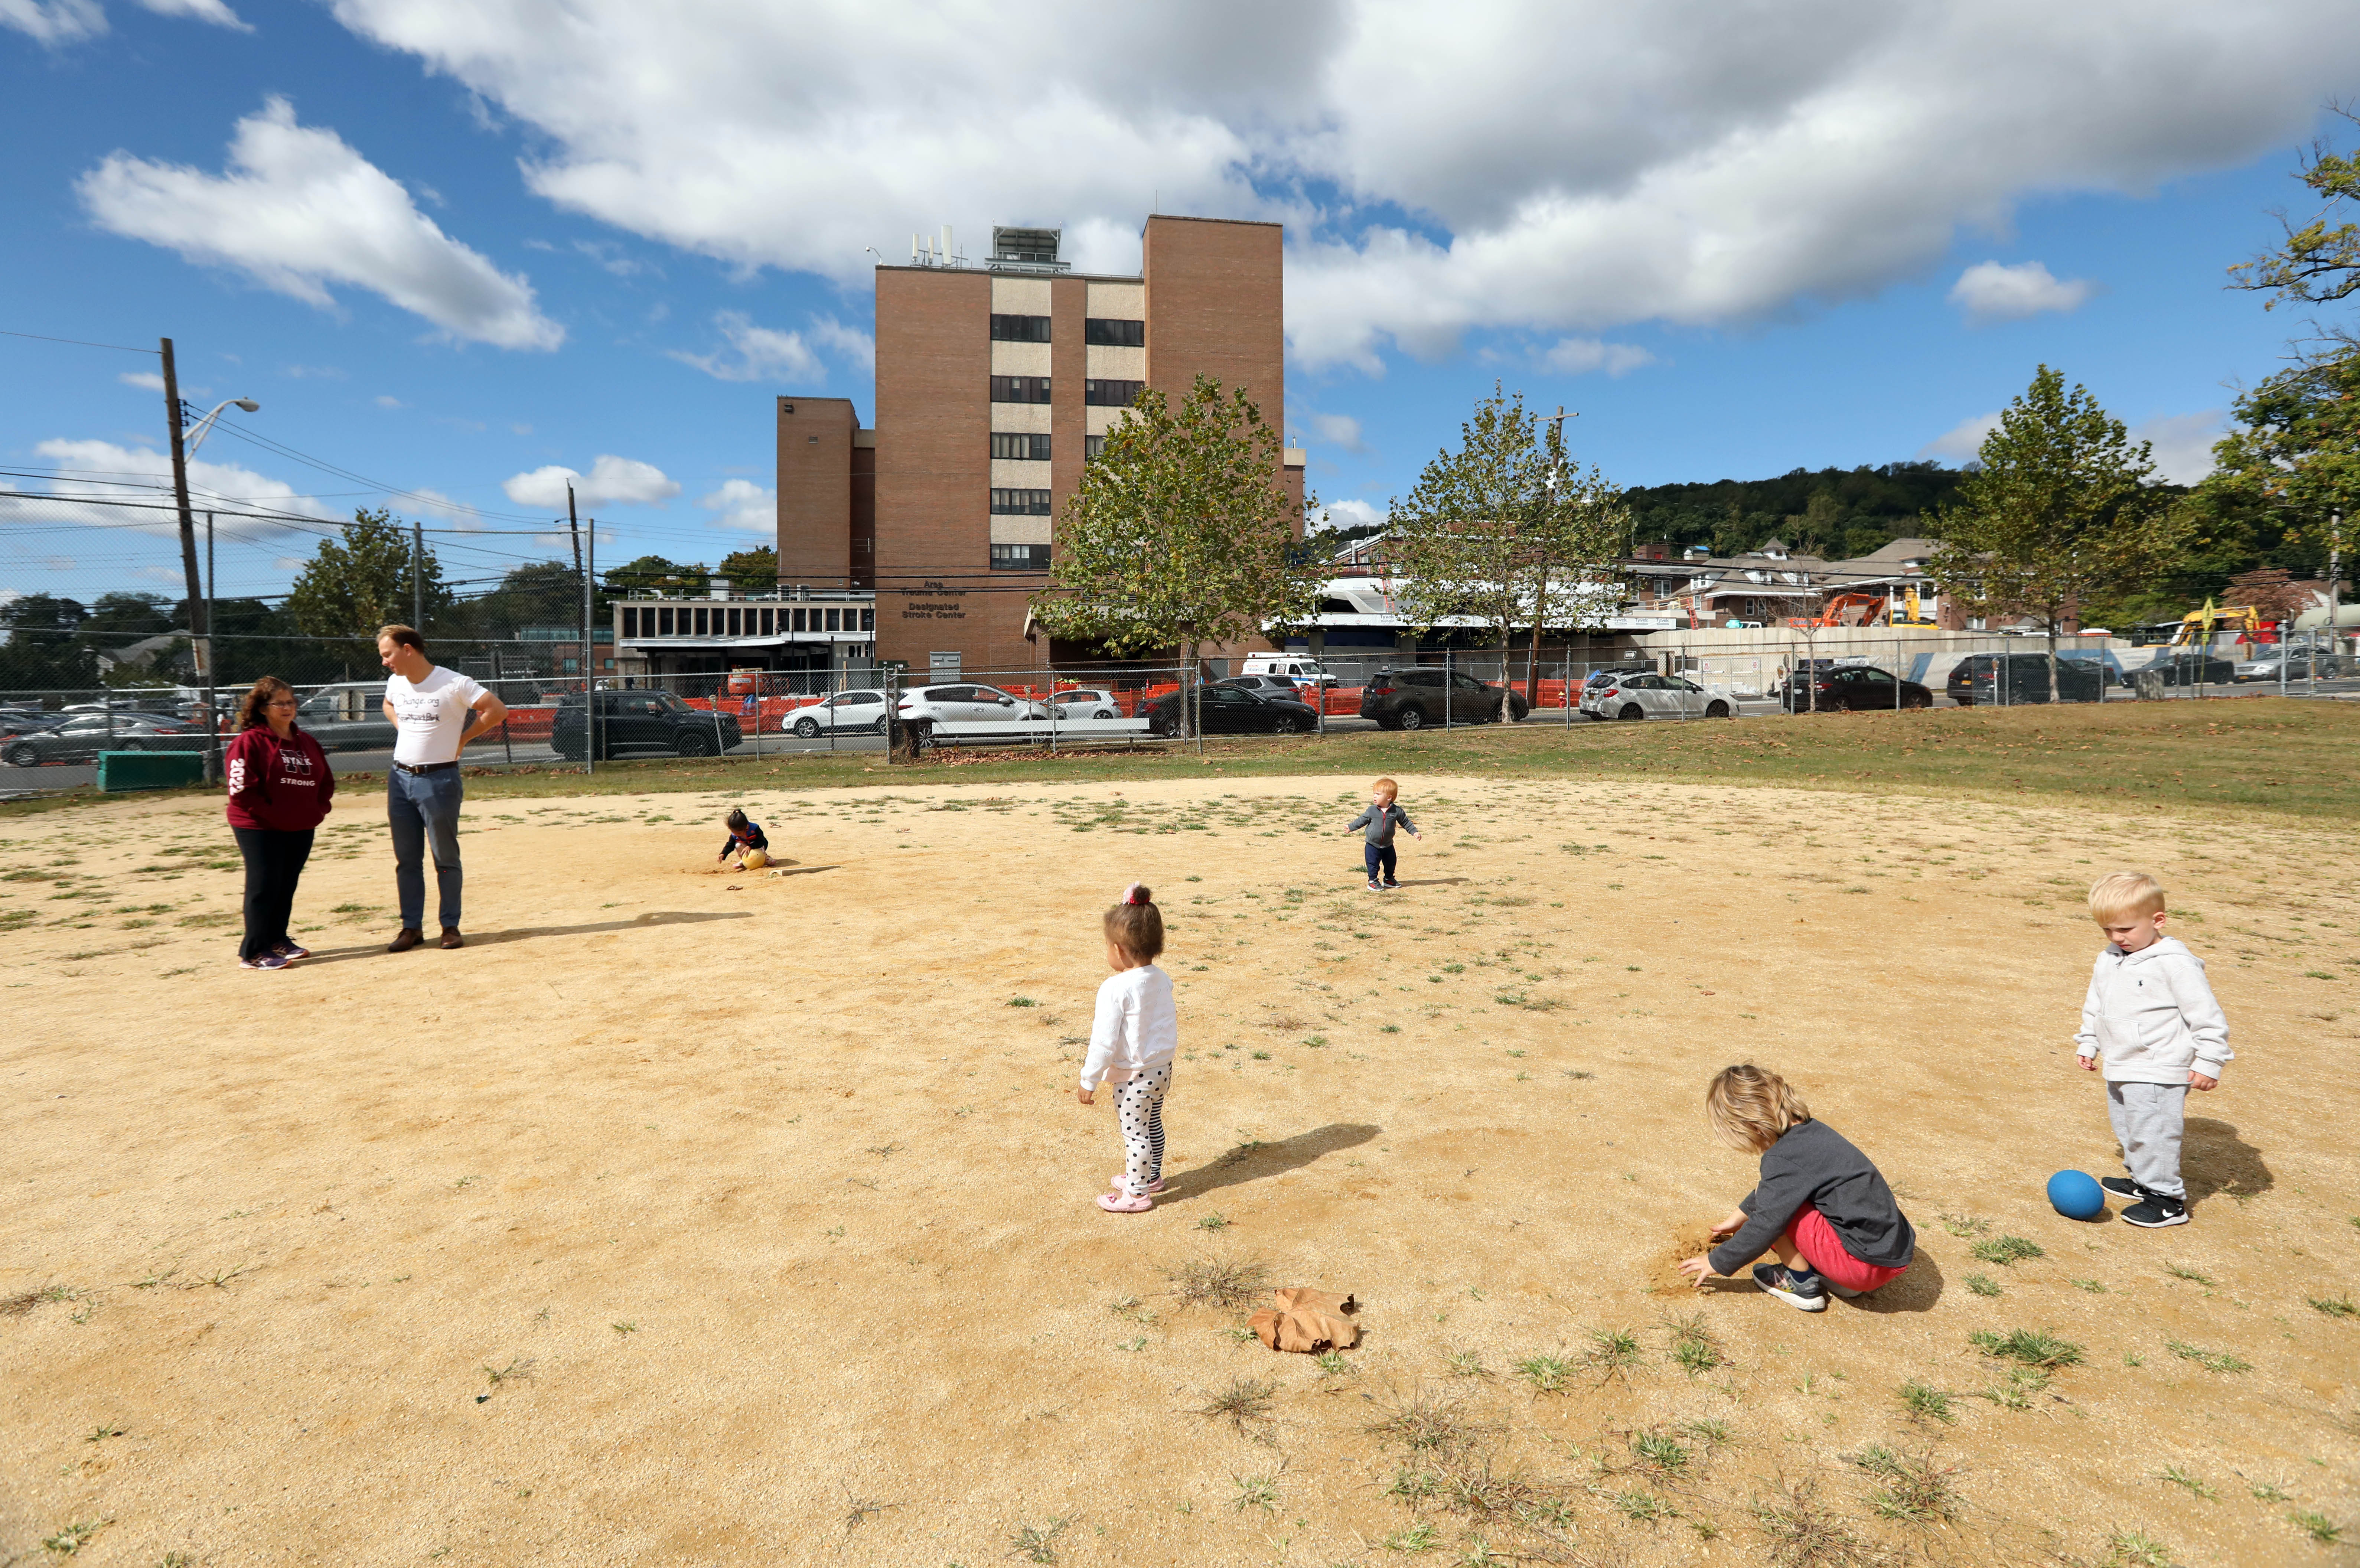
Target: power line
(78, 342)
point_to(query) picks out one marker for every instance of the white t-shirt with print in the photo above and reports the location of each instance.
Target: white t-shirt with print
(430, 715)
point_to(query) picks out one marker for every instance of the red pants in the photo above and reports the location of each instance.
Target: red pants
(1817, 1241)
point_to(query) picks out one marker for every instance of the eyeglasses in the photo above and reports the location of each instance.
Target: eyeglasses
(281, 702)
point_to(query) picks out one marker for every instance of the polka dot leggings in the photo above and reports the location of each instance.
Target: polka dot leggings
(1139, 1105)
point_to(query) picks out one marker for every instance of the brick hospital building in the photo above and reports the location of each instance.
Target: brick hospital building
(996, 382)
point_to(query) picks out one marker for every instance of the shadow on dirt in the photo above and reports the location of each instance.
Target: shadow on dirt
(1256, 1161)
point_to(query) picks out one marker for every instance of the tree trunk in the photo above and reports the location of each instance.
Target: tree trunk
(2054, 696)
(1533, 669)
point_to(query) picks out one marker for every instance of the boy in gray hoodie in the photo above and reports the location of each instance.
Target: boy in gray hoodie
(2150, 1023)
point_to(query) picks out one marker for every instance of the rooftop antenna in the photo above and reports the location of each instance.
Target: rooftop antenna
(913, 247)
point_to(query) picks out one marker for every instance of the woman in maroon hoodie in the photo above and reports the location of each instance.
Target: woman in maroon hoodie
(279, 791)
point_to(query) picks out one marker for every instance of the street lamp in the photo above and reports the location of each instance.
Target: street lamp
(196, 434)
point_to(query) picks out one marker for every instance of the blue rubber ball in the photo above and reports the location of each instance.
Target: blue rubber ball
(2076, 1196)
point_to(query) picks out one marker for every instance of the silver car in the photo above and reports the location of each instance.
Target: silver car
(1644, 696)
(1088, 702)
(964, 705)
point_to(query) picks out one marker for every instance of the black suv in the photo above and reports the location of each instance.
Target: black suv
(642, 721)
(1413, 698)
(1975, 677)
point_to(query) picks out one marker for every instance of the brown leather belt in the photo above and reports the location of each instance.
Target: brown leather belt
(424, 767)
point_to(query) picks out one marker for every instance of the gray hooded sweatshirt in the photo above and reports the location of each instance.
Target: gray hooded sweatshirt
(2150, 1015)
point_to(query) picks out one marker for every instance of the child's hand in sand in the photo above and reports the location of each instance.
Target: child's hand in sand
(1730, 1226)
(1083, 1096)
(1699, 1270)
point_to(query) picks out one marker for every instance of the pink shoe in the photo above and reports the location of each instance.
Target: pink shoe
(1123, 1176)
(1116, 1204)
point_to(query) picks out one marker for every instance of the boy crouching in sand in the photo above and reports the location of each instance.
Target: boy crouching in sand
(2150, 1023)
(1821, 1206)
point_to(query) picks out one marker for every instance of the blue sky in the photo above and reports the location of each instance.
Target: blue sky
(454, 247)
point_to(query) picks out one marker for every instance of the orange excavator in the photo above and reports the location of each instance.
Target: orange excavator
(1846, 610)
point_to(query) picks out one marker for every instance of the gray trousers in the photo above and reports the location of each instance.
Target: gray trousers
(2147, 1118)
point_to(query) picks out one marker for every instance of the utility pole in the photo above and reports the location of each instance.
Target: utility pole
(418, 576)
(199, 623)
(589, 698)
(212, 702)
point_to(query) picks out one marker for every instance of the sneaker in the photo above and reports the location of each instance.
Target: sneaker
(1390, 884)
(290, 951)
(264, 960)
(2123, 1187)
(1374, 886)
(1807, 1291)
(2157, 1212)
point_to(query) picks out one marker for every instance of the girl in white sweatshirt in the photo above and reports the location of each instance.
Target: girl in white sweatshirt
(1133, 1042)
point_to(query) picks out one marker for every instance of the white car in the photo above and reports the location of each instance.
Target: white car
(1294, 667)
(962, 704)
(1654, 697)
(860, 710)
(1088, 702)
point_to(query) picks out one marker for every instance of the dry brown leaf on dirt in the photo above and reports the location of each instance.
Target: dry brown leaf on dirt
(1306, 1321)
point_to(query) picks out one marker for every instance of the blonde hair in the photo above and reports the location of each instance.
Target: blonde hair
(1386, 787)
(1136, 925)
(2120, 893)
(1752, 1107)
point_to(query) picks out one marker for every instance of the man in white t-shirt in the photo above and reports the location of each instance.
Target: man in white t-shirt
(435, 712)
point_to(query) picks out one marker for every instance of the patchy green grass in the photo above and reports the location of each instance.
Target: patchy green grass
(2028, 1348)
(2210, 1360)
(2007, 1250)
(2283, 756)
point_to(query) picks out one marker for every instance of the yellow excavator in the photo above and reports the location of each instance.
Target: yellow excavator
(2197, 627)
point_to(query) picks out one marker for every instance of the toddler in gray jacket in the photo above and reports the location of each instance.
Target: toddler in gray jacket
(2150, 1023)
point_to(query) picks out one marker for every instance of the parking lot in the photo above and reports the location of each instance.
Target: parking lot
(539, 753)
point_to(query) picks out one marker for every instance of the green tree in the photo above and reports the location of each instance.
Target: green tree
(361, 581)
(2320, 262)
(654, 575)
(2296, 450)
(539, 593)
(1179, 534)
(44, 651)
(1496, 526)
(756, 569)
(2062, 509)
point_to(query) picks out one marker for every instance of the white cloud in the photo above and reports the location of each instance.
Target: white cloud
(102, 470)
(1338, 430)
(301, 209)
(1989, 292)
(611, 481)
(1963, 440)
(744, 505)
(146, 380)
(54, 22)
(2183, 444)
(766, 353)
(213, 11)
(1564, 167)
(1352, 514)
(762, 354)
(386, 400)
(850, 345)
(1580, 356)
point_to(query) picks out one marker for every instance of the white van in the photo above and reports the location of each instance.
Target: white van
(1301, 668)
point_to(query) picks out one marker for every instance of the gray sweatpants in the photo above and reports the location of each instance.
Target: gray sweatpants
(2147, 1118)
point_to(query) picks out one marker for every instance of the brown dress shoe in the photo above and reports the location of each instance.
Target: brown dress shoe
(451, 937)
(405, 939)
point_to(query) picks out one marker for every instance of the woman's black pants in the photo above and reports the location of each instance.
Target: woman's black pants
(274, 863)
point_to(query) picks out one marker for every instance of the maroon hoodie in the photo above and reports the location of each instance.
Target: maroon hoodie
(274, 783)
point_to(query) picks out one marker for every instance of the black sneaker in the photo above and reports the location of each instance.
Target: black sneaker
(2123, 1187)
(1807, 1291)
(2157, 1212)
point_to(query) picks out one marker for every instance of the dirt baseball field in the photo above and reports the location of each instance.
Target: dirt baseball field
(696, 1217)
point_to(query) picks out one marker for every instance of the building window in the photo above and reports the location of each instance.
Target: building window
(1109, 394)
(704, 624)
(1021, 328)
(1023, 448)
(1020, 389)
(1020, 503)
(630, 622)
(1107, 333)
(1091, 447)
(1020, 558)
(836, 620)
(869, 620)
(572, 665)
